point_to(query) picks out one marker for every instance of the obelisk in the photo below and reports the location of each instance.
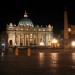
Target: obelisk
(65, 29)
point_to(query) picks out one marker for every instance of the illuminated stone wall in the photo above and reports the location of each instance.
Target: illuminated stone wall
(27, 36)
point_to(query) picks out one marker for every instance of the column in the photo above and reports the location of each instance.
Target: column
(33, 38)
(20, 39)
(42, 37)
(36, 38)
(13, 39)
(28, 39)
(45, 39)
(25, 40)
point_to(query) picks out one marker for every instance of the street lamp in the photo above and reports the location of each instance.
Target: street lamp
(54, 42)
(73, 44)
(41, 43)
(3, 46)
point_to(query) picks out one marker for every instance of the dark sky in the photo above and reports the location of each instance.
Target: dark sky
(41, 12)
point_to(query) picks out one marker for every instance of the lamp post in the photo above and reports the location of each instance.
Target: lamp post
(73, 44)
(3, 45)
(41, 43)
(54, 42)
(15, 39)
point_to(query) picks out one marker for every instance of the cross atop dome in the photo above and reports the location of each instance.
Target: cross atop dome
(25, 15)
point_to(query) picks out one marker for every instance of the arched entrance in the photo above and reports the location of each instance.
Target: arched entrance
(10, 43)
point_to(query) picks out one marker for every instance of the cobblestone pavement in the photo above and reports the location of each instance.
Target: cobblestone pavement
(37, 62)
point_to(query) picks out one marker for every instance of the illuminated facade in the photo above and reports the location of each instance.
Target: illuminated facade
(71, 29)
(26, 34)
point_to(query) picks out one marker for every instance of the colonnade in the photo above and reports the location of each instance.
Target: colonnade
(28, 39)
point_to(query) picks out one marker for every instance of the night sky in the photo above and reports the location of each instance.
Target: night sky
(40, 12)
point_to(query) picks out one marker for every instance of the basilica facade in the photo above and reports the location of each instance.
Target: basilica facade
(27, 34)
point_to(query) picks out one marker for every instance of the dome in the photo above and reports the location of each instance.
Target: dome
(26, 21)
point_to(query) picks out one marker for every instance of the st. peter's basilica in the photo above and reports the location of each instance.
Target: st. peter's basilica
(27, 34)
